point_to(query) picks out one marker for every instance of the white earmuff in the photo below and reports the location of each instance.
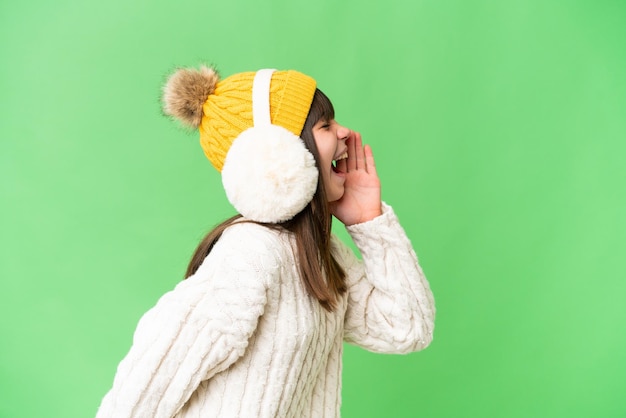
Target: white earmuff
(269, 175)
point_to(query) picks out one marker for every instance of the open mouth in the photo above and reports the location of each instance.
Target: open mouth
(336, 160)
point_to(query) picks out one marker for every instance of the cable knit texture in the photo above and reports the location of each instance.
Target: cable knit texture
(242, 338)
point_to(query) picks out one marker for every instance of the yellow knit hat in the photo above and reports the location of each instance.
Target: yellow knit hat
(267, 172)
(222, 109)
(228, 111)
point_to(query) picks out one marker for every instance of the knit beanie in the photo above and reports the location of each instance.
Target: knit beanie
(250, 125)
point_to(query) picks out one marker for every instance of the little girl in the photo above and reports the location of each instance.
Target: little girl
(257, 327)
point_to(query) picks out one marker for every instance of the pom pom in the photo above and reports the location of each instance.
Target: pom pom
(269, 175)
(186, 91)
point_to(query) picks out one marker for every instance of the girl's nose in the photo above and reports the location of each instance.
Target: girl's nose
(343, 133)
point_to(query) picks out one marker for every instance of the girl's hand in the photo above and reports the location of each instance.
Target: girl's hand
(361, 200)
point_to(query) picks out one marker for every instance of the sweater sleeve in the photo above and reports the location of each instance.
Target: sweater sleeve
(197, 330)
(390, 306)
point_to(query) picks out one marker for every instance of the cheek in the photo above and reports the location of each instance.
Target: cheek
(326, 147)
(327, 152)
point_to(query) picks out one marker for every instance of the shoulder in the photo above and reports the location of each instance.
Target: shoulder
(249, 246)
(251, 235)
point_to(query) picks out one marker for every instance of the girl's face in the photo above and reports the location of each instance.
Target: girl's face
(330, 139)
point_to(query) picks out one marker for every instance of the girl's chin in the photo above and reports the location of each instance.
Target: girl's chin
(335, 198)
(335, 193)
(336, 186)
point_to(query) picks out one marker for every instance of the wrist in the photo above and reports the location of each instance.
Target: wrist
(368, 216)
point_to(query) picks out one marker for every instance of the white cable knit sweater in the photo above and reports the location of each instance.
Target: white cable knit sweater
(242, 338)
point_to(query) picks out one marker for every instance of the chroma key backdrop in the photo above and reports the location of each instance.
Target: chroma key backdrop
(499, 131)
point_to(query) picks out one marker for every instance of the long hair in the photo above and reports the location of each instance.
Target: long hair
(323, 277)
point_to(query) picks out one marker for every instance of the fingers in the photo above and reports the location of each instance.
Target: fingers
(356, 152)
(359, 157)
(350, 143)
(369, 160)
(360, 154)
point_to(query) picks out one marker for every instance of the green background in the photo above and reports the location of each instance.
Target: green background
(499, 129)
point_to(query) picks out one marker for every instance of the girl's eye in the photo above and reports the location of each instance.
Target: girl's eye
(326, 124)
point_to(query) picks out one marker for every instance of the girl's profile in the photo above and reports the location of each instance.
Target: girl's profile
(257, 327)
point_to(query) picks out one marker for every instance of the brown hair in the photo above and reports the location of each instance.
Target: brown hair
(321, 274)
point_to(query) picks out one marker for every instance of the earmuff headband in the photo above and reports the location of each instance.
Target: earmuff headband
(261, 97)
